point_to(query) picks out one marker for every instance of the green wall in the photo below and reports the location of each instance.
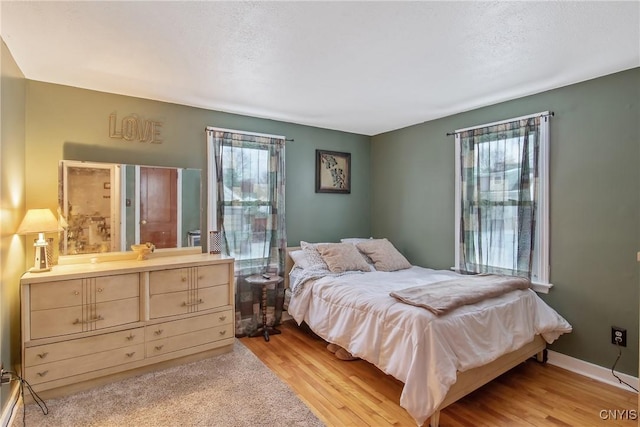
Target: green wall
(68, 123)
(12, 204)
(402, 186)
(595, 204)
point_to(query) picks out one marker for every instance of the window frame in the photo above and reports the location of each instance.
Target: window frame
(540, 268)
(212, 188)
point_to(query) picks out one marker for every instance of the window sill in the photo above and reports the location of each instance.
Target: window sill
(539, 287)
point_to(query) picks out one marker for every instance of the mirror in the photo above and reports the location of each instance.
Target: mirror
(107, 207)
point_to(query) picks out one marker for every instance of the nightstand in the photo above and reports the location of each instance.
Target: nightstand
(260, 280)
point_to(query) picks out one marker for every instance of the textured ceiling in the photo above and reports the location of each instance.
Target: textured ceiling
(363, 67)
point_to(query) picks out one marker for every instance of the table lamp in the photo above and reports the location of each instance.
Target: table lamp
(39, 221)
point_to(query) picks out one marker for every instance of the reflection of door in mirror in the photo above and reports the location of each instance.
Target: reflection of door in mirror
(91, 207)
(158, 206)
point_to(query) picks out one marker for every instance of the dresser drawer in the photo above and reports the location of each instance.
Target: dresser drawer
(114, 313)
(69, 293)
(59, 294)
(180, 279)
(174, 280)
(56, 322)
(83, 364)
(70, 320)
(170, 304)
(191, 339)
(213, 275)
(177, 327)
(48, 353)
(121, 286)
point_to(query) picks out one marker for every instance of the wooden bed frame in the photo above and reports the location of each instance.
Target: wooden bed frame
(475, 378)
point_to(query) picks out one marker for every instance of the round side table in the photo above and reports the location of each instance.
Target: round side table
(260, 280)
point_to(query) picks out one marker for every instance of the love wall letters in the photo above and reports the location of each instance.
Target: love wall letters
(135, 128)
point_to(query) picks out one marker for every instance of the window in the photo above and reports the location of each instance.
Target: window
(247, 206)
(502, 198)
(246, 190)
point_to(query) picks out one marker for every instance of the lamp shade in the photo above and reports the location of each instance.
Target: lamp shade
(38, 221)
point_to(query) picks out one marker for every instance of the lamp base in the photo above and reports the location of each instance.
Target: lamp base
(41, 263)
(38, 270)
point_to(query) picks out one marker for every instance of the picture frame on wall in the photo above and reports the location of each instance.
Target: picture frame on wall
(333, 172)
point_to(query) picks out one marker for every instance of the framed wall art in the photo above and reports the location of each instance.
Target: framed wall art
(333, 172)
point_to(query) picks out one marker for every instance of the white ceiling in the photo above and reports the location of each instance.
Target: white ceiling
(363, 67)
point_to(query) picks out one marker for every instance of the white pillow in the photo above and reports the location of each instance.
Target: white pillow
(299, 258)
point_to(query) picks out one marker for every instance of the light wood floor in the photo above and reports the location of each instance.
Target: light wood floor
(358, 394)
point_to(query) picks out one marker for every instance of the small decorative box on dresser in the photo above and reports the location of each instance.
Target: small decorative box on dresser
(92, 323)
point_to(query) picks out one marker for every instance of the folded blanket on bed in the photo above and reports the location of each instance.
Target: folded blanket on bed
(442, 297)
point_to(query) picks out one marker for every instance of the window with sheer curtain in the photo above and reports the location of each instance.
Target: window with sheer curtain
(246, 199)
(502, 198)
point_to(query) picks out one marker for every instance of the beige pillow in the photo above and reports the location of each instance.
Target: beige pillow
(384, 255)
(341, 257)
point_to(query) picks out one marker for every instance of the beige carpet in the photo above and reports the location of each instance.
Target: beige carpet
(234, 389)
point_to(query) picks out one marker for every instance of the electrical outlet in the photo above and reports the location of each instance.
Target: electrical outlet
(619, 336)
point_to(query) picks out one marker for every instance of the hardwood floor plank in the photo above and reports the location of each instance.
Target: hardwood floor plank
(358, 394)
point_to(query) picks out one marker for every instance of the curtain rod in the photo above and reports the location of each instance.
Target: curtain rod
(212, 129)
(545, 115)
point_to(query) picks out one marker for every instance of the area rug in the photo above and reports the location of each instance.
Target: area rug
(233, 389)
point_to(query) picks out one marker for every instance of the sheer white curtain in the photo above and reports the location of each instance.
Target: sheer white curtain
(499, 184)
(249, 181)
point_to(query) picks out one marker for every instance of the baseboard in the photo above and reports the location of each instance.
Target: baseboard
(590, 370)
(12, 407)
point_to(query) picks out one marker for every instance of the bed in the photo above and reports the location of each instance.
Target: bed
(439, 358)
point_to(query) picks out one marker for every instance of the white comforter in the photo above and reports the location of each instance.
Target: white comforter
(410, 343)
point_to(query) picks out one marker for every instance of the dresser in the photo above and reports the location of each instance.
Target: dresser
(91, 323)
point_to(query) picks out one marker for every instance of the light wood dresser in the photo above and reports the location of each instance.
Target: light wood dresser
(92, 323)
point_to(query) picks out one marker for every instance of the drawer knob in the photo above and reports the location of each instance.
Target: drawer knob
(159, 332)
(43, 355)
(190, 303)
(184, 279)
(131, 354)
(200, 277)
(43, 373)
(222, 318)
(84, 322)
(76, 293)
(130, 337)
(159, 347)
(100, 289)
(223, 332)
